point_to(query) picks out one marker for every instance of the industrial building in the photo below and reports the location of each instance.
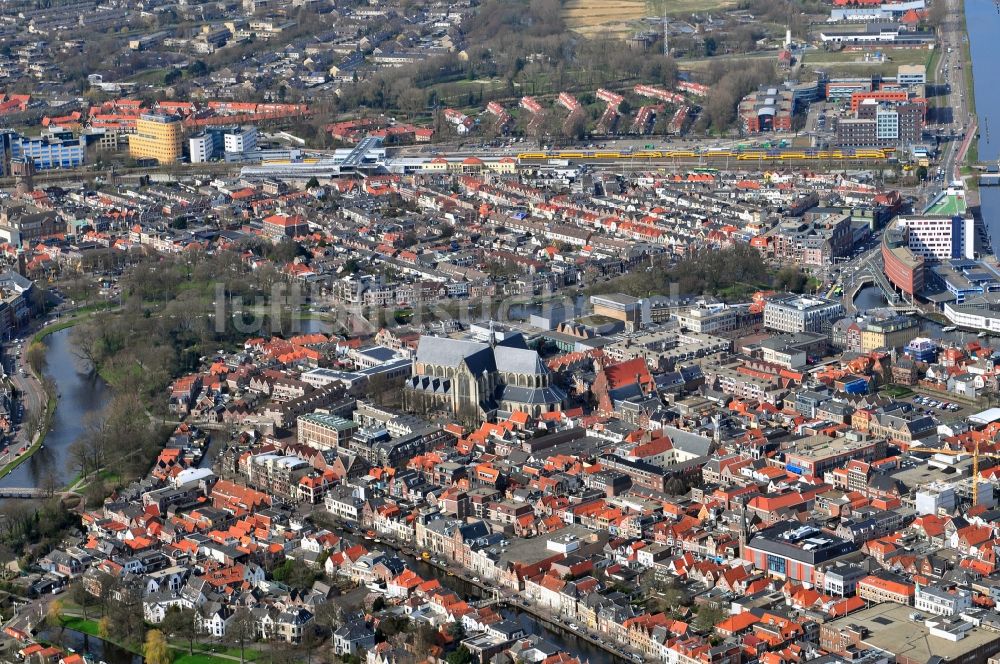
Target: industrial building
(768, 109)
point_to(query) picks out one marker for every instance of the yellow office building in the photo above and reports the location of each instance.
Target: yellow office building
(157, 137)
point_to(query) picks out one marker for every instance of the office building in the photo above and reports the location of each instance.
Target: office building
(922, 349)
(938, 237)
(325, 431)
(965, 278)
(240, 140)
(58, 150)
(201, 147)
(888, 333)
(981, 312)
(793, 551)
(911, 75)
(903, 268)
(618, 306)
(877, 123)
(716, 318)
(801, 313)
(157, 137)
(876, 97)
(816, 455)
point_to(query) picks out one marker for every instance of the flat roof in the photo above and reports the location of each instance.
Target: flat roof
(328, 420)
(616, 298)
(891, 630)
(949, 204)
(821, 445)
(985, 416)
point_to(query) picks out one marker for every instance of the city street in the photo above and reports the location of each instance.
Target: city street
(950, 72)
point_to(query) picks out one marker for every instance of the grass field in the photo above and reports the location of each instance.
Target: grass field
(950, 205)
(594, 18)
(617, 18)
(204, 653)
(854, 63)
(148, 76)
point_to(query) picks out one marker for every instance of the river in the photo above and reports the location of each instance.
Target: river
(983, 26)
(80, 394)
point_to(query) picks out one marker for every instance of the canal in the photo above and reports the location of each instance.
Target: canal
(982, 19)
(81, 394)
(557, 636)
(100, 650)
(870, 297)
(562, 638)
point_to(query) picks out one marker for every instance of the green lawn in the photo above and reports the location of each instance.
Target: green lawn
(62, 325)
(203, 652)
(81, 625)
(970, 88)
(151, 76)
(50, 410)
(199, 658)
(950, 205)
(853, 62)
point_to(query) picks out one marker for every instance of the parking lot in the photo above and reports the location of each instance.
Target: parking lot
(944, 407)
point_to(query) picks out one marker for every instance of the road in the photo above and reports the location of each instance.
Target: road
(29, 614)
(33, 398)
(950, 72)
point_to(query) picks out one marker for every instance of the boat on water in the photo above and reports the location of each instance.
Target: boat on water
(982, 334)
(950, 328)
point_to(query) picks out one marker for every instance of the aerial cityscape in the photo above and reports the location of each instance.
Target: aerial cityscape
(499, 331)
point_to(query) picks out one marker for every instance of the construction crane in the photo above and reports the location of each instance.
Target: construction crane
(975, 462)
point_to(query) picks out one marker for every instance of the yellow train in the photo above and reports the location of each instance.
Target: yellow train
(859, 154)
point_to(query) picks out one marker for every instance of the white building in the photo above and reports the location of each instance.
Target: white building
(801, 313)
(886, 124)
(708, 318)
(201, 148)
(935, 496)
(241, 140)
(938, 237)
(942, 602)
(911, 75)
(981, 313)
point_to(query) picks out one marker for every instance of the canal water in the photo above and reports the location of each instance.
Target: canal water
(100, 650)
(983, 24)
(80, 394)
(562, 638)
(870, 297)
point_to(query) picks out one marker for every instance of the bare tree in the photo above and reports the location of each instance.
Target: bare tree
(242, 629)
(182, 624)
